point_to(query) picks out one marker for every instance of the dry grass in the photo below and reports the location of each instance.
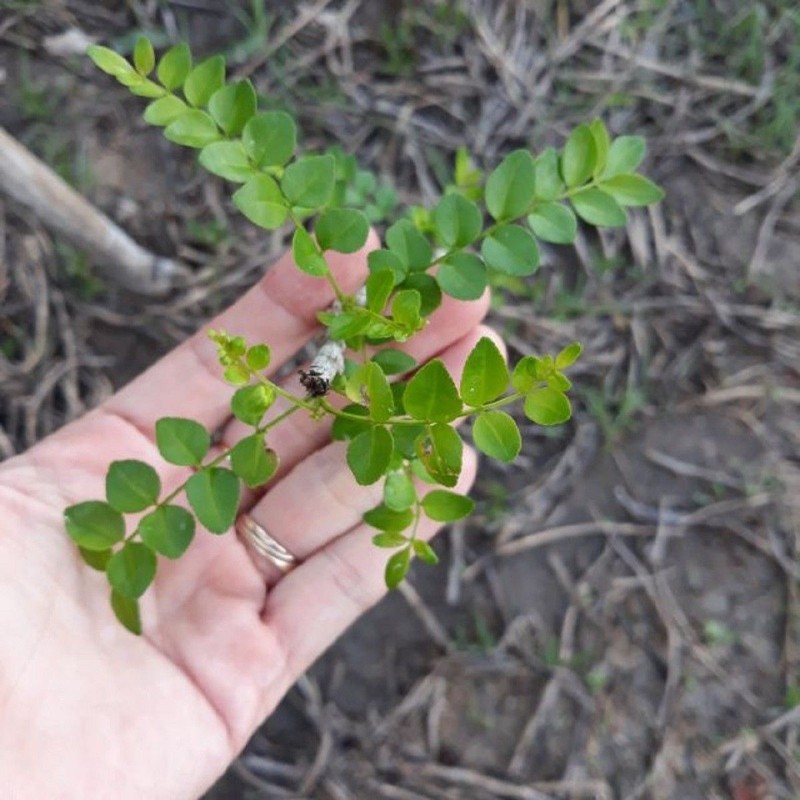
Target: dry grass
(620, 620)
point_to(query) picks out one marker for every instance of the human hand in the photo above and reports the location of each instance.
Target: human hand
(91, 711)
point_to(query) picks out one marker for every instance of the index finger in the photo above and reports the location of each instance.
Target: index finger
(280, 310)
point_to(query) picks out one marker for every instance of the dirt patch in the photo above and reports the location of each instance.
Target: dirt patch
(620, 618)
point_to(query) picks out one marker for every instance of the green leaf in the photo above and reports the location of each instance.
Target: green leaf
(261, 201)
(96, 559)
(205, 79)
(548, 183)
(236, 374)
(443, 506)
(109, 61)
(424, 552)
(131, 570)
(379, 286)
(430, 295)
(441, 450)
(390, 539)
(369, 454)
(386, 519)
(182, 441)
(602, 142)
(457, 221)
(406, 309)
(394, 362)
(144, 58)
(463, 276)
(192, 129)
(168, 530)
(126, 610)
(344, 230)
(270, 138)
(370, 379)
(258, 357)
(165, 110)
(306, 255)
(309, 181)
(252, 462)
(250, 403)
(554, 222)
(632, 190)
(406, 436)
(624, 155)
(145, 88)
(397, 568)
(228, 160)
(431, 395)
(485, 375)
(398, 491)
(511, 250)
(379, 260)
(547, 406)
(598, 208)
(527, 373)
(345, 428)
(580, 156)
(94, 525)
(410, 246)
(232, 106)
(213, 494)
(174, 66)
(132, 486)
(569, 355)
(510, 187)
(496, 434)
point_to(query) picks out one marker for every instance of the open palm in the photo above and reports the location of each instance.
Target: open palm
(89, 710)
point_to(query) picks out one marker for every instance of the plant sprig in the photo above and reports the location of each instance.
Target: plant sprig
(401, 431)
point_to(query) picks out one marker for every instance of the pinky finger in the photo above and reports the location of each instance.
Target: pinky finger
(313, 605)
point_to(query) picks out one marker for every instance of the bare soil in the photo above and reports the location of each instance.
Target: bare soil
(620, 618)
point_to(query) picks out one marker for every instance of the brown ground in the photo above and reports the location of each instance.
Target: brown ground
(620, 619)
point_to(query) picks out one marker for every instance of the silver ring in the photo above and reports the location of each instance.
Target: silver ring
(264, 544)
